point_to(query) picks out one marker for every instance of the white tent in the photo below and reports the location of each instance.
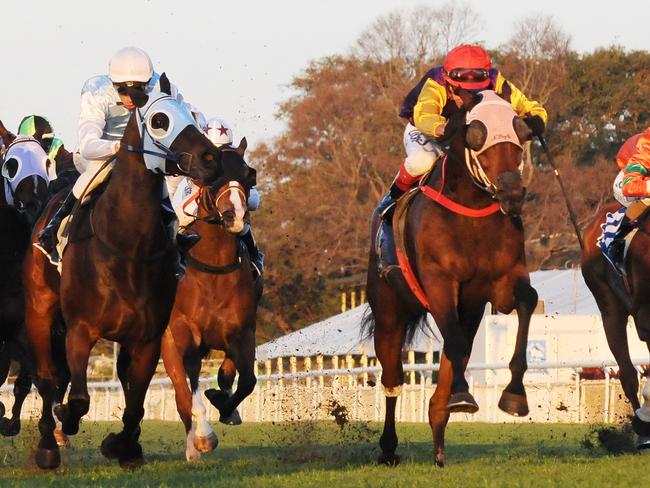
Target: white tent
(564, 292)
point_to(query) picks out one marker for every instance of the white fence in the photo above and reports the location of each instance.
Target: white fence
(356, 394)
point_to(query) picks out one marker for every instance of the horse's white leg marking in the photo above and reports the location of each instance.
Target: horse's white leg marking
(203, 428)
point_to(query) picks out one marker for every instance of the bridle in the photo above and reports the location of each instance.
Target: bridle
(210, 201)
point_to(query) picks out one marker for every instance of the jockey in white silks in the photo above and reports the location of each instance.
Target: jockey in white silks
(184, 199)
(105, 111)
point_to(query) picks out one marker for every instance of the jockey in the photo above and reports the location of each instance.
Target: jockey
(631, 186)
(429, 105)
(105, 111)
(220, 133)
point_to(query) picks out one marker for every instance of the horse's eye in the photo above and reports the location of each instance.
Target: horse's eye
(159, 125)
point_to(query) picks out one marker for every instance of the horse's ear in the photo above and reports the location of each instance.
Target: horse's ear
(521, 129)
(165, 84)
(251, 176)
(241, 149)
(10, 168)
(506, 92)
(138, 97)
(476, 135)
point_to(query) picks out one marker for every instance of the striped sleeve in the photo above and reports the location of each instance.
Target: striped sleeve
(521, 104)
(427, 113)
(637, 169)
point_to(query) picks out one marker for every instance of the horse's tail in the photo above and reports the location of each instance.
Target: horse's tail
(416, 322)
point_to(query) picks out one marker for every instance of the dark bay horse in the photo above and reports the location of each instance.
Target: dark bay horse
(23, 195)
(616, 303)
(461, 261)
(221, 316)
(119, 283)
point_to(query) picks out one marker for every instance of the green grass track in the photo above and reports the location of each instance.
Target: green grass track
(308, 454)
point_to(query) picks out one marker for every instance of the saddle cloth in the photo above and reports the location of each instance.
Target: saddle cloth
(610, 228)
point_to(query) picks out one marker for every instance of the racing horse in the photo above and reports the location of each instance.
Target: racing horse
(617, 302)
(221, 317)
(119, 282)
(23, 195)
(460, 250)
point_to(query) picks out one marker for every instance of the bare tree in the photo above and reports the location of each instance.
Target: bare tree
(536, 54)
(413, 39)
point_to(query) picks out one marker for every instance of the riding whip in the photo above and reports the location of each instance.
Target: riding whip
(569, 207)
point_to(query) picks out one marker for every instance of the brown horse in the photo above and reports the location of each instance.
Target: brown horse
(23, 195)
(119, 283)
(461, 261)
(616, 303)
(221, 316)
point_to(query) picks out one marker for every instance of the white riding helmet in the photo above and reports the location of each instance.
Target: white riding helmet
(130, 64)
(218, 131)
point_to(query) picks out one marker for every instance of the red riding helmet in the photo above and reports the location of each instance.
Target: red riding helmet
(468, 66)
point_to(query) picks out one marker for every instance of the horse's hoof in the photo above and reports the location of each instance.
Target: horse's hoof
(132, 458)
(388, 459)
(643, 443)
(513, 404)
(233, 419)
(217, 398)
(440, 460)
(111, 446)
(48, 458)
(207, 443)
(69, 425)
(9, 427)
(60, 437)
(462, 402)
(641, 428)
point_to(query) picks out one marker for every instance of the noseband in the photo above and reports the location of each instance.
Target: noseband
(211, 202)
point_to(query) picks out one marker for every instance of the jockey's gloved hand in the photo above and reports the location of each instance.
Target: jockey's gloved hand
(536, 124)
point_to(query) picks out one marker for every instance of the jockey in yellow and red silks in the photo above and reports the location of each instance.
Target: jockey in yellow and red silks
(430, 104)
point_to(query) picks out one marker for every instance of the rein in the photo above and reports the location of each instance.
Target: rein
(449, 204)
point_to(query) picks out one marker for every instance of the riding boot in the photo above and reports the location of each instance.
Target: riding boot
(616, 249)
(386, 207)
(48, 236)
(257, 256)
(184, 240)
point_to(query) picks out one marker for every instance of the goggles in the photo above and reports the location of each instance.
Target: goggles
(469, 74)
(123, 88)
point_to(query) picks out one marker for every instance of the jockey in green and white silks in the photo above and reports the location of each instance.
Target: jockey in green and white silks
(105, 112)
(184, 199)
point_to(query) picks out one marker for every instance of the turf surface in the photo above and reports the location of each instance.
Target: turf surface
(324, 453)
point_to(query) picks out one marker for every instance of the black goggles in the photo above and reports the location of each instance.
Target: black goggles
(469, 74)
(123, 88)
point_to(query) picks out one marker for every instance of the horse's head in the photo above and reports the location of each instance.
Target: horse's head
(170, 139)
(225, 200)
(493, 139)
(24, 169)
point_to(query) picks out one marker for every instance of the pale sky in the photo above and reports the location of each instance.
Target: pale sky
(235, 59)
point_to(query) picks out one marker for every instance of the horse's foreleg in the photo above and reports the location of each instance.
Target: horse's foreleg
(138, 367)
(443, 299)
(513, 398)
(22, 387)
(225, 379)
(438, 412)
(5, 363)
(242, 354)
(79, 343)
(40, 306)
(172, 354)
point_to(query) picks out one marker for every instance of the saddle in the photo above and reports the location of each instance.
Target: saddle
(391, 250)
(78, 225)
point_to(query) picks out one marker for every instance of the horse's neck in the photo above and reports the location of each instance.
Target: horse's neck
(132, 199)
(15, 231)
(64, 161)
(217, 246)
(458, 183)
